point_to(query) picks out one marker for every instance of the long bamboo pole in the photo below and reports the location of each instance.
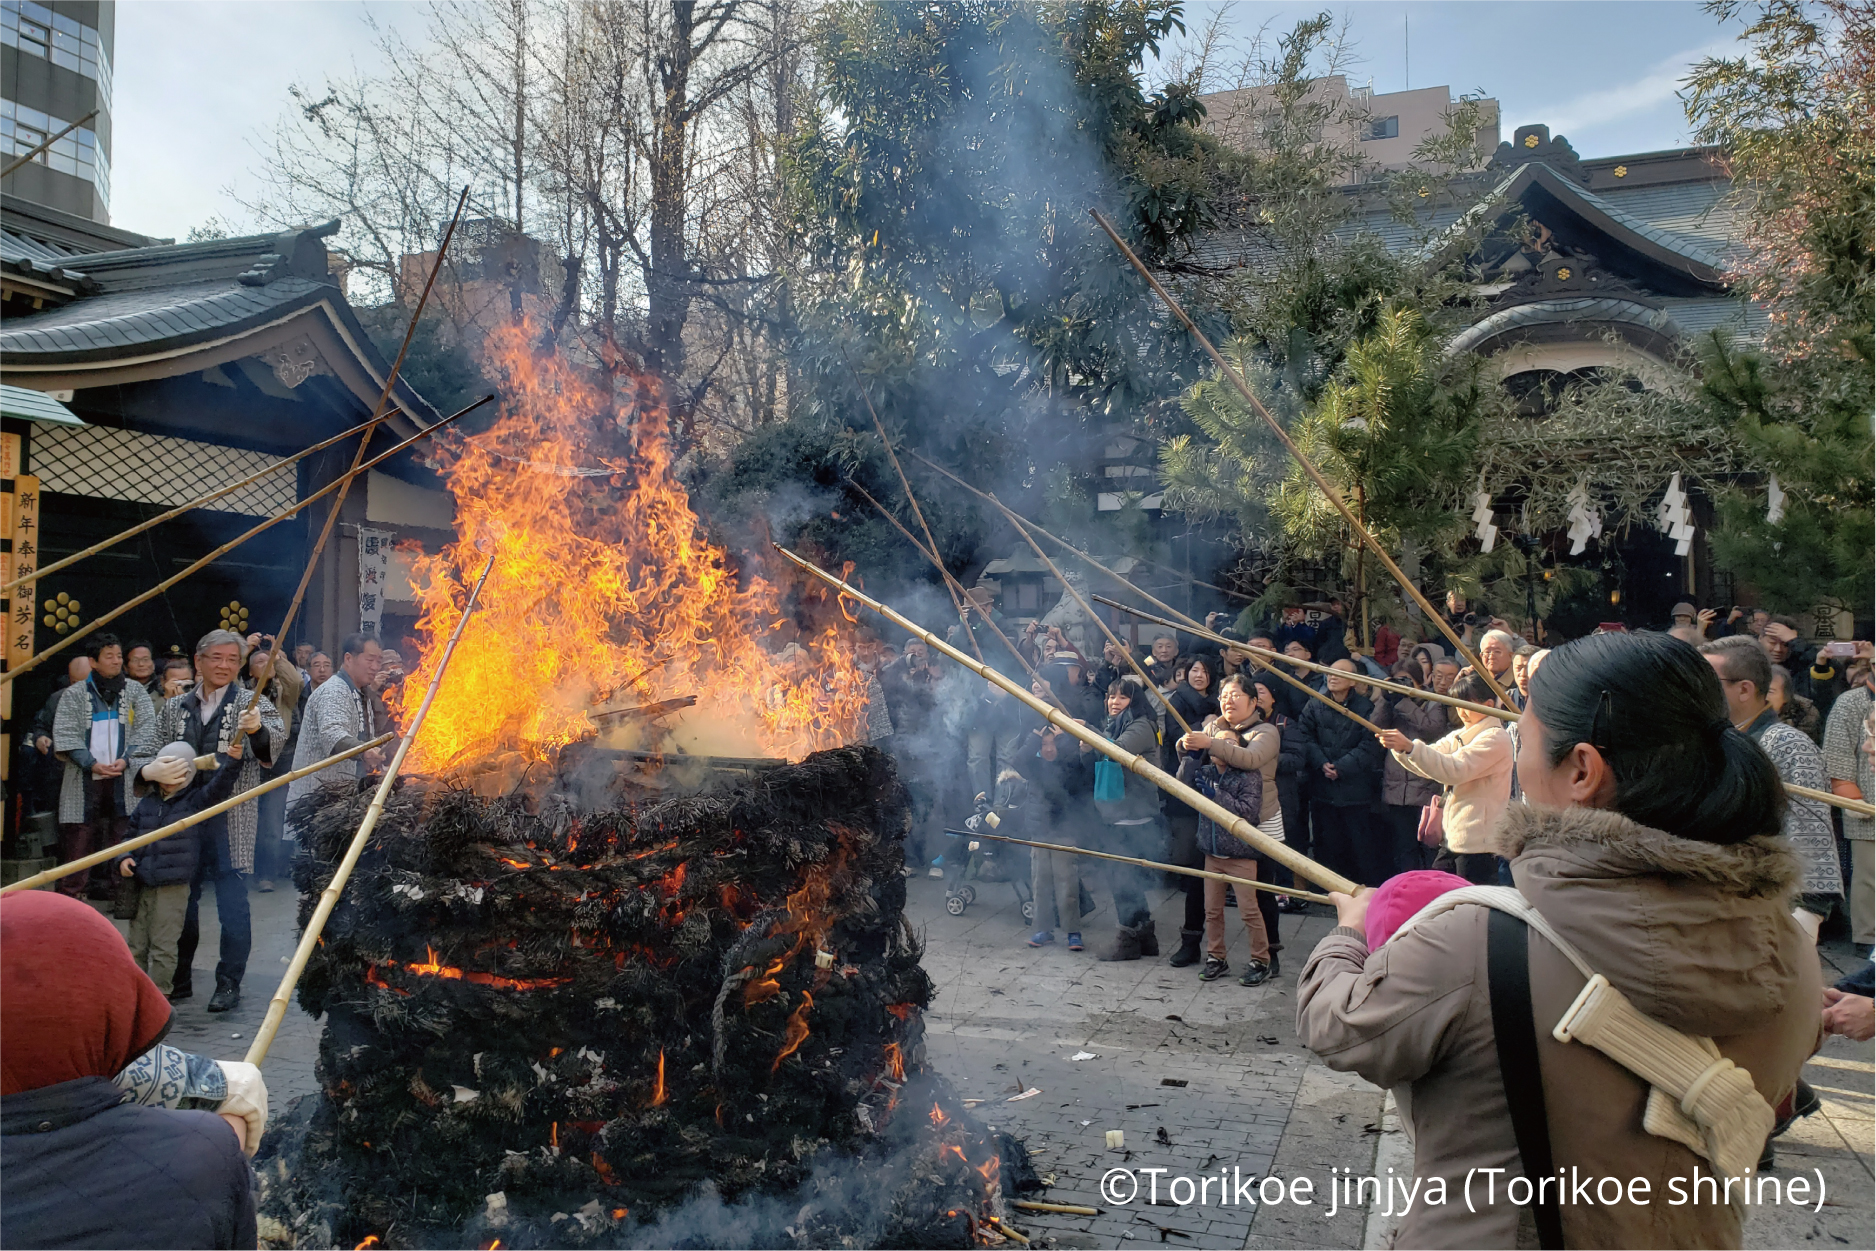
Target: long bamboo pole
(378, 414)
(44, 145)
(329, 898)
(191, 506)
(1152, 688)
(1241, 829)
(1265, 653)
(231, 544)
(955, 588)
(1308, 467)
(1253, 883)
(214, 810)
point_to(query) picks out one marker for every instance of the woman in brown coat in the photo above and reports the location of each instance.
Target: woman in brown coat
(1650, 844)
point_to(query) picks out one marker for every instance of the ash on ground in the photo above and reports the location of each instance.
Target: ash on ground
(674, 1021)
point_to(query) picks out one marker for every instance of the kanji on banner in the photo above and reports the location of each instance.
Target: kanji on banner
(374, 570)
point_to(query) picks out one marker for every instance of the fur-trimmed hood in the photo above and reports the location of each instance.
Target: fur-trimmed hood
(1698, 935)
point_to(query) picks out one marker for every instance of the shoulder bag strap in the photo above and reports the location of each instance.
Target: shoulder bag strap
(1508, 968)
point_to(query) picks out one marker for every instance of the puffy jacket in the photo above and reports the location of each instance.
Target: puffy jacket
(1475, 764)
(1421, 720)
(85, 1169)
(1697, 935)
(1134, 733)
(1331, 738)
(1241, 773)
(173, 860)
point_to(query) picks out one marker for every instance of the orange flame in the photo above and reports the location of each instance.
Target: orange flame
(895, 1063)
(937, 1115)
(371, 1240)
(657, 1090)
(795, 1032)
(601, 565)
(431, 968)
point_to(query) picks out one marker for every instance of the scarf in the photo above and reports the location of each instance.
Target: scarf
(76, 1004)
(108, 688)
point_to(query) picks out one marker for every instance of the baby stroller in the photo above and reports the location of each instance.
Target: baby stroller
(986, 860)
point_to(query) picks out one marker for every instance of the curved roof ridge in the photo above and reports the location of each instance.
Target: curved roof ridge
(1603, 308)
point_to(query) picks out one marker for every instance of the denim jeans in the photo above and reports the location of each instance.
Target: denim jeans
(231, 912)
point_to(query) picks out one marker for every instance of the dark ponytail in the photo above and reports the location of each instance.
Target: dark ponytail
(1651, 706)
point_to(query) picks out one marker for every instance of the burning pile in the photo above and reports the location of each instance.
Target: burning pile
(628, 1027)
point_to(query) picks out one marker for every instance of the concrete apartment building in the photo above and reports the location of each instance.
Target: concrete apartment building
(1382, 128)
(55, 67)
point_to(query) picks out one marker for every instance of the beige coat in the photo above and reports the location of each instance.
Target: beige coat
(1260, 751)
(1697, 935)
(1474, 764)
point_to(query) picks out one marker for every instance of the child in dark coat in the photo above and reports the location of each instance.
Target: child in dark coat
(160, 873)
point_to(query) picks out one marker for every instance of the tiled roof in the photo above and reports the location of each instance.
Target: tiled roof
(1600, 309)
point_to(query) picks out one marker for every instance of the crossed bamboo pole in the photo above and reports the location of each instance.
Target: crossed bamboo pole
(1024, 527)
(1308, 467)
(180, 509)
(1239, 828)
(233, 543)
(329, 898)
(377, 415)
(175, 827)
(1250, 882)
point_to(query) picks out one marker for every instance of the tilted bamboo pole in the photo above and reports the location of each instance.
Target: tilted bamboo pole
(78, 634)
(953, 584)
(329, 898)
(1125, 651)
(45, 145)
(1275, 657)
(191, 506)
(1140, 766)
(1308, 467)
(1272, 887)
(378, 413)
(214, 810)
(957, 592)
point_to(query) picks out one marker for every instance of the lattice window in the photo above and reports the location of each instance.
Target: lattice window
(154, 469)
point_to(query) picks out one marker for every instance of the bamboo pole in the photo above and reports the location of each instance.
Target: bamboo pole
(957, 593)
(1430, 696)
(1151, 688)
(180, 509)
(144, 840)
(1308, 467)
(1239, 828)
(78, 634)
(329, 898)
(45, 145)
(1066, 1209)
(953, 583)
(378, 413)
(1253, 883)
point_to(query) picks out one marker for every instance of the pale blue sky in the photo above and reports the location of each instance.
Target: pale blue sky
(199, 84)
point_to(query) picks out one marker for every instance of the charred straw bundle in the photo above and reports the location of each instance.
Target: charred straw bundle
(695, 1021)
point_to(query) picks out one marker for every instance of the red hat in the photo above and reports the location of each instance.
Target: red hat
(1403, 895)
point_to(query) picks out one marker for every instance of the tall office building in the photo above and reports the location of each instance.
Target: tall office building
(55, 67)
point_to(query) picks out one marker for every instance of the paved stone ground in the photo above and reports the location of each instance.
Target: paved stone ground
(1008, 1018)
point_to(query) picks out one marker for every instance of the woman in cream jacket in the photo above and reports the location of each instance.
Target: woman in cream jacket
(1474, 764)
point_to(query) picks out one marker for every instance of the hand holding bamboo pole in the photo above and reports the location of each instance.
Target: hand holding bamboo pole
(329, 898)
(1239, 828)
(1308, 467)
(214, 810)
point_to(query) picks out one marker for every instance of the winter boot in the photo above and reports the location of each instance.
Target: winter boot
(227, 996)
(1149, 941)
(1126, 945)
(1188, 953)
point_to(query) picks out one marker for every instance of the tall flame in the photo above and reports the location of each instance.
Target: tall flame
(606, 590)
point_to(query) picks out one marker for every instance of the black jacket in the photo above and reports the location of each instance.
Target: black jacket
(84, 1169)
(1331, 738)
(170, 861)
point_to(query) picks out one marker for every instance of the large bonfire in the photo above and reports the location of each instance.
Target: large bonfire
(606, 593)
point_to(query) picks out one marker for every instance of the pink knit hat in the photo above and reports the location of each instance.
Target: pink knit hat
(1403, 895)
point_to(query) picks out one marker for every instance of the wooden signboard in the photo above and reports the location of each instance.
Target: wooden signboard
(19, 555)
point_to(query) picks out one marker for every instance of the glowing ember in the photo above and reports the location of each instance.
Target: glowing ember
(597, 574)
(657, 1090)
(371, 1240)
(431, 968)
(937, 1115)
(795, 1032)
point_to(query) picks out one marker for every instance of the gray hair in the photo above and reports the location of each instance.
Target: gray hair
(215, 638)
(1511, 644)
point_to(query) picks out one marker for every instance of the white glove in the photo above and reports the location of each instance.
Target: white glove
(166, 771)
(247, 1099)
